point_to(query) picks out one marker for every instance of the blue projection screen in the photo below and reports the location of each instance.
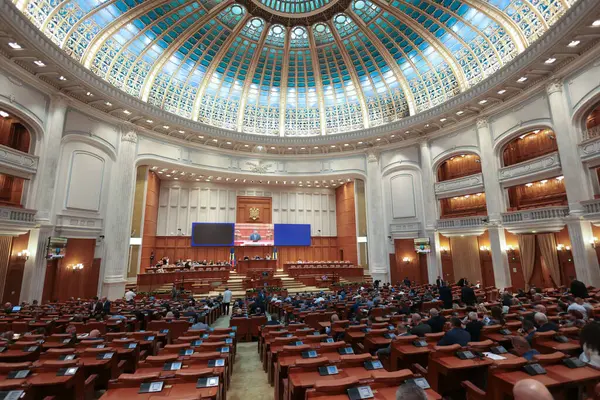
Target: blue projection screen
(292, 234)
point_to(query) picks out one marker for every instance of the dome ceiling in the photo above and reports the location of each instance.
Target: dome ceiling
(293, 67)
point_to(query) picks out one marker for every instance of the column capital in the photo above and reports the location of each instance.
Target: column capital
(59, 100)
(554, 86)
(424, 142)
(482, 123)
(130, 136)
(372, 156)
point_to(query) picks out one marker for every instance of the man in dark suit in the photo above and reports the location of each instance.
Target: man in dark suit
(446, 296)
(418, 327)
(543, 325)
(467, 295)
(105, 305)
(96, 306)
(436, 321)
(439, 281)
(406, 282)
(456, 335)
(474, 327)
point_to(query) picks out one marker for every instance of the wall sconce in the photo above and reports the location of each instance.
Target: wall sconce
(594, 241)
(75, 267)
(560, 247)
(23, 254)
(444, 249)
(406, 260)
(484, 248)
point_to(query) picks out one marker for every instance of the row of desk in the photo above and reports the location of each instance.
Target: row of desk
(349, 271)
(160, 279)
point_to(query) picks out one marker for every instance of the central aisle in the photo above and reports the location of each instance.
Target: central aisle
(248, 381)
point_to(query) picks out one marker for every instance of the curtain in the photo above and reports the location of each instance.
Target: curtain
(5, 247)
(527, 250)
(465, 258)
(547, 243)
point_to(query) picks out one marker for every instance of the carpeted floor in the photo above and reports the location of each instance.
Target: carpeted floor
(249, 381)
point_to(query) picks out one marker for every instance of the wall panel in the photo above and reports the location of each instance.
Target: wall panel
(346, 221)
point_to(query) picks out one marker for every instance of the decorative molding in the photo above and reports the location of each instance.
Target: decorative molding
(17, 163)
(590, 149)
(548, 164)
(459, 185)
(130, 136)
(466, 226)
(405, 230)
(372, 156)
(554, 86)
(260, 167)
(482, 123)
(76, 226)
(16, 221)
(547, 219)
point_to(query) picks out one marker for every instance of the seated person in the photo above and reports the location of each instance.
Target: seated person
(456, 335)
(410, 391)
(402, 331)
(589, 338)
(543, 325)
(528, 329)
(522, 348)
(474, 326)
(419, 328)
(436, 321)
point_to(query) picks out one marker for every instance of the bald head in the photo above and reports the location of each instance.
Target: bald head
(540, 319)
(434, 312)
(528, 389)
(416, 318)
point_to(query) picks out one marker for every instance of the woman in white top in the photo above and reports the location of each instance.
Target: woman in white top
(590, 342)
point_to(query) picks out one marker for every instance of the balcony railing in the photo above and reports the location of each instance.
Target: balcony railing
(466, 222)
(591, 133)
(538, 214)
(464, 184)
(17, 163)
(530, 169)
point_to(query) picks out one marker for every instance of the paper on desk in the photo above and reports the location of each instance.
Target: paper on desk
(493, 356)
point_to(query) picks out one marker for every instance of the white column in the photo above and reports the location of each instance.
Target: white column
(118, 218)
(576, 184)
(34, 274)
(584, 255)
(495, 205)
(43, 197)
(430, 213)
(376, 229)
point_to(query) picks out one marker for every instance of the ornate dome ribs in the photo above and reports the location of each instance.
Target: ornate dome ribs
(293, 68)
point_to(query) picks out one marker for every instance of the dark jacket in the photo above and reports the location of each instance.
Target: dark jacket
(439, 282)
(106, 306)
(578, 289)
(474, 329)
(421, 329)
(455, 336)
(437, 323)
(548, 326)
(467, 295)
(446, 296)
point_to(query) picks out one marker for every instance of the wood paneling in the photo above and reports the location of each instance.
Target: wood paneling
(446, 256)
(16, 268)
(5, 247)
(346, 222)
(461, 206)
(150, 219)
(514, 261)
(530, 146)
(593, 118)
(14, 135)
(75, 283)
(322, 248)
(565, 257)
(415, 269)
(459, 166)
(485, 257)
(11, 190)
(550, 193)
(245, 203)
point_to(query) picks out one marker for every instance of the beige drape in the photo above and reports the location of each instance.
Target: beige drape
(5, 246)
(527, 250)
(547, 243)
(465, 258)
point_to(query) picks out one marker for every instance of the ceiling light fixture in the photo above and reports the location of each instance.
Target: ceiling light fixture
(182, 132)
(443, 119)
(127, 112)
(89, 94)
(522, 79)
(215, 140)
(200, 137)
(62, 78)
(483, 101)
(595, 24)
(574, 43)
(529, 184)
(149, 121)
(108, 103)
(460, 112)
(550, 60)
(501, 91)
(39, 63)
(14, 45)
(4, 114)
(560, 178)
(166, 126)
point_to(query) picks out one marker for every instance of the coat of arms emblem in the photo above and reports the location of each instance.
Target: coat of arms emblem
(254, 213)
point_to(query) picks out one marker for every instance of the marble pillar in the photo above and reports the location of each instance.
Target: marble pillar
(430, 212)
(376, 228)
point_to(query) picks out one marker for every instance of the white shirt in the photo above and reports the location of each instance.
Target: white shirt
(129, 295)
(579, 308)
(227, 296)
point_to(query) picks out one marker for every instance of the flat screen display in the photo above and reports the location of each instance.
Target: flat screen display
(254, 234)
(292, 235)
(56, 247)
(208, 234)
(422, 245)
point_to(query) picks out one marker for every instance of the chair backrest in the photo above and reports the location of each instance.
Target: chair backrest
(391, 378)
(444, 351)
(548, 359)
(255, 323)
(354, 360)
(330, 388)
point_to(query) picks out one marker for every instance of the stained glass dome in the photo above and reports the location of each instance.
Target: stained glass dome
(293, 67)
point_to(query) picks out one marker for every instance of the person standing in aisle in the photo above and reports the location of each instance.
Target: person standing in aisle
(226, 300)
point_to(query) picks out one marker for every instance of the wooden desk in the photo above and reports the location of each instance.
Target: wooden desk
(157, 280)
(179, 391)
(384, 393)
(446, 373)
(404, 355)
(557, 378)
(299, 382)
(244, 266)
(284, 363)
(573, 348)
